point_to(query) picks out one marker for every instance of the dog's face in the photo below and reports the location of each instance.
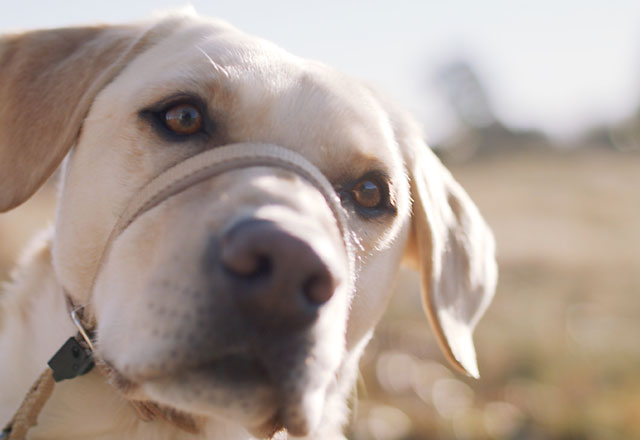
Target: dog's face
(182, 305)
(240, 297)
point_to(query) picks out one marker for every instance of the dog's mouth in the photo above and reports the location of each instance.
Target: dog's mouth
(242, 388)
(237, 369)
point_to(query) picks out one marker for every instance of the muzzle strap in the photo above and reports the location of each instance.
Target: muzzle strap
(208, 164)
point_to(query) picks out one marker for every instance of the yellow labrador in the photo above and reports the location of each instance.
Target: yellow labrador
(230, 222)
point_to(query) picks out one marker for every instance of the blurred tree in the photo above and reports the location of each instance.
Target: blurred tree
(466, 94)
(479, 131)
(625, 136)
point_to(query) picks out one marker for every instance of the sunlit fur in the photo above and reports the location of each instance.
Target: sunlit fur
(256, 93)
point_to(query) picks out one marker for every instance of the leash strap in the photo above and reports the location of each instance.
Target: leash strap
(196, 169)
(27, 413)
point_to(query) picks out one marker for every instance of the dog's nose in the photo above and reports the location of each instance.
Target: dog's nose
(275, 276)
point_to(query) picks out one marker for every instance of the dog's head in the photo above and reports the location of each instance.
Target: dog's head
(250, 293)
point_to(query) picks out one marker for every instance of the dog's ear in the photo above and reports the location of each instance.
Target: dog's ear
(454, 250)
(48, 80)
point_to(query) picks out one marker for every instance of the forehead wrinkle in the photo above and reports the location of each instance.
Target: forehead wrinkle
(217, 68)
(236, 51)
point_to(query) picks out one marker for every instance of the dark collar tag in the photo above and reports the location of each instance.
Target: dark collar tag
(72, 360)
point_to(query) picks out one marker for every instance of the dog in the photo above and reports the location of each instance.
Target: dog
(230, 222)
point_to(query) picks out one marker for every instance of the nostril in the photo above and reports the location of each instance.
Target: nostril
(243, 263)
(262, 268)
(319, 288)
(275, 276)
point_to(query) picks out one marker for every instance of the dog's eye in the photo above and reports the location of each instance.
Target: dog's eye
(368, 193)
(183, 119)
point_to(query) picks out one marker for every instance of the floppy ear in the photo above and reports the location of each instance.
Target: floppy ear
(48, 80)
(456, 257)
(451, 245)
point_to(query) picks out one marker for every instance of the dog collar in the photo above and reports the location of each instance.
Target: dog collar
(77, 356)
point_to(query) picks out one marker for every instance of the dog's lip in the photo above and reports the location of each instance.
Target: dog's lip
(242, 371)
(269, 428)
(234, 367)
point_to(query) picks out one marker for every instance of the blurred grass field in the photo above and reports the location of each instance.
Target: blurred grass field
(559, 348)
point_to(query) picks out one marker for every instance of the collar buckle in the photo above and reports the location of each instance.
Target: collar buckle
(71, 360)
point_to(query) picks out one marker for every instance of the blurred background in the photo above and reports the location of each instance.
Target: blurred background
(535, 107)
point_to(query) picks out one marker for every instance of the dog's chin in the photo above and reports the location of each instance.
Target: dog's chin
(241, 391)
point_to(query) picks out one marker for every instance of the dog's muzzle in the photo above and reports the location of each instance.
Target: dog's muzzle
(192, 171)
(211, 163)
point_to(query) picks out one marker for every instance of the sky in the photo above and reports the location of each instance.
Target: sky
(555, 65)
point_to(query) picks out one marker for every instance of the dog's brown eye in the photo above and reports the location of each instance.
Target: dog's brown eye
(184, 119)
(367, 193)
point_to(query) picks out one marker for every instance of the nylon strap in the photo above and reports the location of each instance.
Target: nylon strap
(27, 413)
(209, 164)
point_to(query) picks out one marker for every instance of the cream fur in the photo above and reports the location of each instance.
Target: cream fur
(255, 92)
